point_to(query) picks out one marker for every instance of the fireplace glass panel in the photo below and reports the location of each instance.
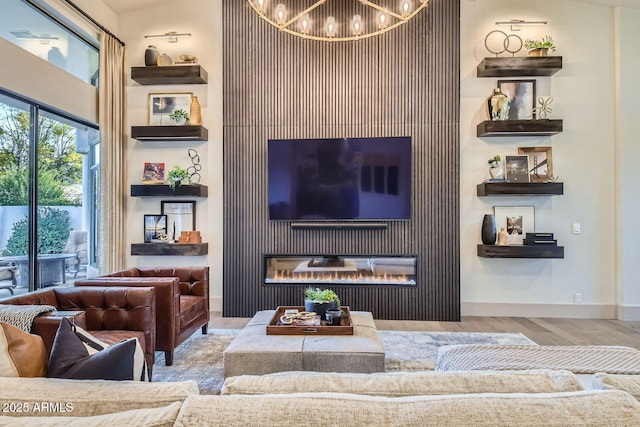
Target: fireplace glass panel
(347, 270)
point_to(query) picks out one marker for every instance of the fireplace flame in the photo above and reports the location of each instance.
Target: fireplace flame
(287, 276)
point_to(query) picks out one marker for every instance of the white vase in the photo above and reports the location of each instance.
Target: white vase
(179, 121)
(496, 173)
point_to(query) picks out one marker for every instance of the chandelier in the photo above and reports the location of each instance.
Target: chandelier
(337, 20)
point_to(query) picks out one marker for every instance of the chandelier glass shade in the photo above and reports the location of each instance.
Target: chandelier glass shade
(337, 20)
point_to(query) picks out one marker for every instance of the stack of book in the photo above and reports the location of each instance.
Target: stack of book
(540, 239)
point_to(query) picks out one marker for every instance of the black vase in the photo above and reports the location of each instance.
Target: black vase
(320, 308)
(489, 230)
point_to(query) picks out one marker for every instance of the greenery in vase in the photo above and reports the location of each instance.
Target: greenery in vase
(321, 295)
(493, 162)
(179, 114)
(545, 43)
(177, 175)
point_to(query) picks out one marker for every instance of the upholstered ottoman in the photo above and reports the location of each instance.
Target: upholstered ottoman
(253, 352)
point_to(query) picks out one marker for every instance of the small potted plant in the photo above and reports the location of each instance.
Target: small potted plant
(495, 168)
(540, 47)
(176, 177)
(320, 300)
(179, 116)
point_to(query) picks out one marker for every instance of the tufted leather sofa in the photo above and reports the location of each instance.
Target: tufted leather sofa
(109, 314)
(182, 300)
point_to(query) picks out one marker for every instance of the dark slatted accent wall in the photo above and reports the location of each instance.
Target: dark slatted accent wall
(403, 83)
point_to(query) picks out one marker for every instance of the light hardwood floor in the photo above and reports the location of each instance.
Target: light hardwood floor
(544, 331)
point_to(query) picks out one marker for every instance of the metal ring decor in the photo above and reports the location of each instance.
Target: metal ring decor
(506, 43)
(195, 168)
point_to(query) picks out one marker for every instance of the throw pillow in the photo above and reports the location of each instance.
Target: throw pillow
(76, 354)
(21, 354)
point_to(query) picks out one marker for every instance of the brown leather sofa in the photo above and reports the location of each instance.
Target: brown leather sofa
(182, 300)
(109, 314)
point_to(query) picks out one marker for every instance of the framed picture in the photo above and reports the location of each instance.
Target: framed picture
(522, 98)
(517, 168)
(163, 104)
(540, 165)
(155, 228)
(181, 216)
(153, 173)
(516, 220)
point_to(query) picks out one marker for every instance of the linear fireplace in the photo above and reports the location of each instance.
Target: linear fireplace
(340, 270)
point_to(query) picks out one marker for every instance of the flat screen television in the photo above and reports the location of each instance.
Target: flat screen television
(340, 179)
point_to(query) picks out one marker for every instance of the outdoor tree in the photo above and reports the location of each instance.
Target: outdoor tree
(59, 165)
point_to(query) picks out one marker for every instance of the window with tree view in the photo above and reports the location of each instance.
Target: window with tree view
(46, 196)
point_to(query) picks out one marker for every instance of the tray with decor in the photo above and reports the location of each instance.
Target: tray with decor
(291, 320)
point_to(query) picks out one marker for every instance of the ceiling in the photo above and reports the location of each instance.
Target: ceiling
(123, 6)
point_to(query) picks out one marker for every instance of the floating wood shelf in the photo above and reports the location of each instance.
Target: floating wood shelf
(519, 127)
(520, 189)
(183, 249)
(173, 75)
(520, 66)
(155, 190)
(520, 251)
(170, 133)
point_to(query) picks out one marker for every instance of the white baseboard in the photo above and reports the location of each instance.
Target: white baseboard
(215, 303)
(573, 311)
(629, 313)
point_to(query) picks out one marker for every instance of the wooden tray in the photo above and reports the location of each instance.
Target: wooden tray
(276, 328)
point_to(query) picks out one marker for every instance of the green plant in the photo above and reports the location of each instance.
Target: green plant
(177, 114)
(53, 232)
(494, 161)
(176, 176)
(545, 43)
(321, 295)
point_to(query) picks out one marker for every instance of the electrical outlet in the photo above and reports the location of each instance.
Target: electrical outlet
(575, 228)
(577, 298)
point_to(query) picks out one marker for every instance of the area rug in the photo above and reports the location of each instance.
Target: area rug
(199, 358)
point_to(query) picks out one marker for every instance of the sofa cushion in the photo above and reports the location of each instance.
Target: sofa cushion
(628, 383)
(592, 408)
(404, 383)
(21, 354)
(191, 308)
(157, 417)
(94, 397)
(76, 354)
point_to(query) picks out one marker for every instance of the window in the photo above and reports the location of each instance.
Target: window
(42, 34)
(48, 181)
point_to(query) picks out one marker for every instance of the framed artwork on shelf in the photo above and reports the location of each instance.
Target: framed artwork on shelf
(155, 228)
(153, 173)
(181, 216)
(517, 168)
(540, 165)
(161, 105)
(522, 98)
(516, 220)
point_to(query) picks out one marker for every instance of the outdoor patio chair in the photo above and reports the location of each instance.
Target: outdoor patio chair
(8, 273)
(77, 244)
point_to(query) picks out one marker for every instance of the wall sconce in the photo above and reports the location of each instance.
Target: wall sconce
(172, 36)
(518, 22)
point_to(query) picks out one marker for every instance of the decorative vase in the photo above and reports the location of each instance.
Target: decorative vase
(496, 172)
(489, 230)
(165, 60)
(498, 105)
(195, 117)
(320, 308)
(540, 51)
(503, 237)
(179, 121)
(151, 56)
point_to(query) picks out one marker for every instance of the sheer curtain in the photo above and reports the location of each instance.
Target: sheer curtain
(112, 242)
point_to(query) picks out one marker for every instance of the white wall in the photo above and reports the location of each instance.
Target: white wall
(628, 151)
(583, 157)
(203, 19)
